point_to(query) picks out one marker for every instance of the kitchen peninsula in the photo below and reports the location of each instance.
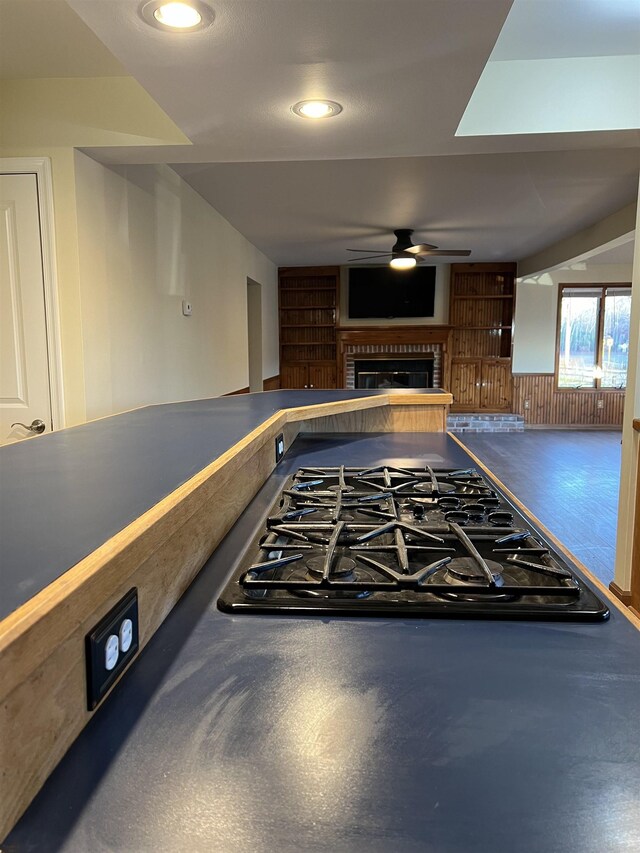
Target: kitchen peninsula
(243, 733)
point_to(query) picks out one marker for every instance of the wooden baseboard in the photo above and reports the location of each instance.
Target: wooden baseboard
(624, 595)
(270, 384)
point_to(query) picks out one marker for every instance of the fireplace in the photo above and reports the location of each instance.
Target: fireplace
(393, 372)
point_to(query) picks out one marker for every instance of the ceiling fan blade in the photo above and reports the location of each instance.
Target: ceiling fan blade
(367, 250)
(371, 257)
(419, 247)
(445, 253)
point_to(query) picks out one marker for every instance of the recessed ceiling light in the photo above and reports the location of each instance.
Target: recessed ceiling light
(177, 16)
(402, 262)
(316, 109)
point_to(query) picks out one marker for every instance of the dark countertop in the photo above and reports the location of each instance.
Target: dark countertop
(66, 493)
(267, 733)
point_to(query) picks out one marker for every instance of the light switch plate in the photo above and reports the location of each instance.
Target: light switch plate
(187, 308)
(110, 647)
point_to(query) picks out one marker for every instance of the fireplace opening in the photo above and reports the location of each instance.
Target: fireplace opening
(394, 373)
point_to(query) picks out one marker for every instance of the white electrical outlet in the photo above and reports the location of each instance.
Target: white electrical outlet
(187, 308)
(600, 404)
(111, 652)
(527, 404)
(111, 646)
(126, 635)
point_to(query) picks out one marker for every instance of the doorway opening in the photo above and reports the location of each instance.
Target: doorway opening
(254, 334)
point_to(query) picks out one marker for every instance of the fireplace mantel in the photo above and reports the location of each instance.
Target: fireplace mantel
(363, 341)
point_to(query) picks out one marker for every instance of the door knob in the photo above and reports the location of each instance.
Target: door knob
(36, 426)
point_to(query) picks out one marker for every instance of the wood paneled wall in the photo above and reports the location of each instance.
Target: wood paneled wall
(547, 405)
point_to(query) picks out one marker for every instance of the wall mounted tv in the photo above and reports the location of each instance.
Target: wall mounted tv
(387, 293)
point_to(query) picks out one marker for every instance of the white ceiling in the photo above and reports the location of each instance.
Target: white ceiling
(404, 71)
(555, 29)
(501, 206)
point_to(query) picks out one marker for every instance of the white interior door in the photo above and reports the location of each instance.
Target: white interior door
(25, 394)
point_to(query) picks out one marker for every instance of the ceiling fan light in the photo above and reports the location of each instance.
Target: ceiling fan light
(402, 262)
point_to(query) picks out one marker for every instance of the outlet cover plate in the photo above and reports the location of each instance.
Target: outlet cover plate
(99, 678)
(279, 447)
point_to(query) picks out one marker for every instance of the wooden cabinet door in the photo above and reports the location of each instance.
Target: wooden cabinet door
(294, 375)
(322, 375)
(495, 387)
(465, 383)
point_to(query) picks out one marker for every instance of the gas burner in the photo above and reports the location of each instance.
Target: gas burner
(466, 570)
(341, 568)
(409, 542)
(431, 489)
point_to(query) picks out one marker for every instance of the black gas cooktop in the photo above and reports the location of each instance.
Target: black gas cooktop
(418, 542)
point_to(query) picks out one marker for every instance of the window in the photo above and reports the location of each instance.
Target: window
(593, 336)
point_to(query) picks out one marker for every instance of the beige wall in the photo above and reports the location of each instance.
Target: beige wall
(146, 242)
(130, 244)
(534, 342)
(47, 118)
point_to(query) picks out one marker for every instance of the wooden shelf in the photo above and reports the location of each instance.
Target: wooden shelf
(303, 289)
(308, 363)
(482, 336)
(307, 307)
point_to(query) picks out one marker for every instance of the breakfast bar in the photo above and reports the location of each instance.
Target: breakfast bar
(261, 732)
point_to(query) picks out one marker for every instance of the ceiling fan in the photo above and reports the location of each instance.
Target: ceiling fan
(405, 255)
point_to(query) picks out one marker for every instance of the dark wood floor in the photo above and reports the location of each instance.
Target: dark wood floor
(568, 479)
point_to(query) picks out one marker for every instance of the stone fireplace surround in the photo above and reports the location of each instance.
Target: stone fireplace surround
(393, 341)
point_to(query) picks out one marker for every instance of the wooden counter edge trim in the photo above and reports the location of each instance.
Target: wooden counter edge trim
(635, 621)
(636, 424)
(42, 605)
(442, 399)
(335, 407)
(25, 617)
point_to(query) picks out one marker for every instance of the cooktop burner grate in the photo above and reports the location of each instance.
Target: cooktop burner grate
(413, 542)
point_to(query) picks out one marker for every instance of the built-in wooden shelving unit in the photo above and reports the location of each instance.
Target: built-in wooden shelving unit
(309, 305)
(482, 299)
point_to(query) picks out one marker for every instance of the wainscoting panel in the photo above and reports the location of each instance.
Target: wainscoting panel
(547, 405)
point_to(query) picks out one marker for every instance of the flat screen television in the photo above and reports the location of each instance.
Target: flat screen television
(387, 293)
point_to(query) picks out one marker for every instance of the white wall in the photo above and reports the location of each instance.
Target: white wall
(440, 308)
(147, 241)
(534, 342)
(554, 95)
